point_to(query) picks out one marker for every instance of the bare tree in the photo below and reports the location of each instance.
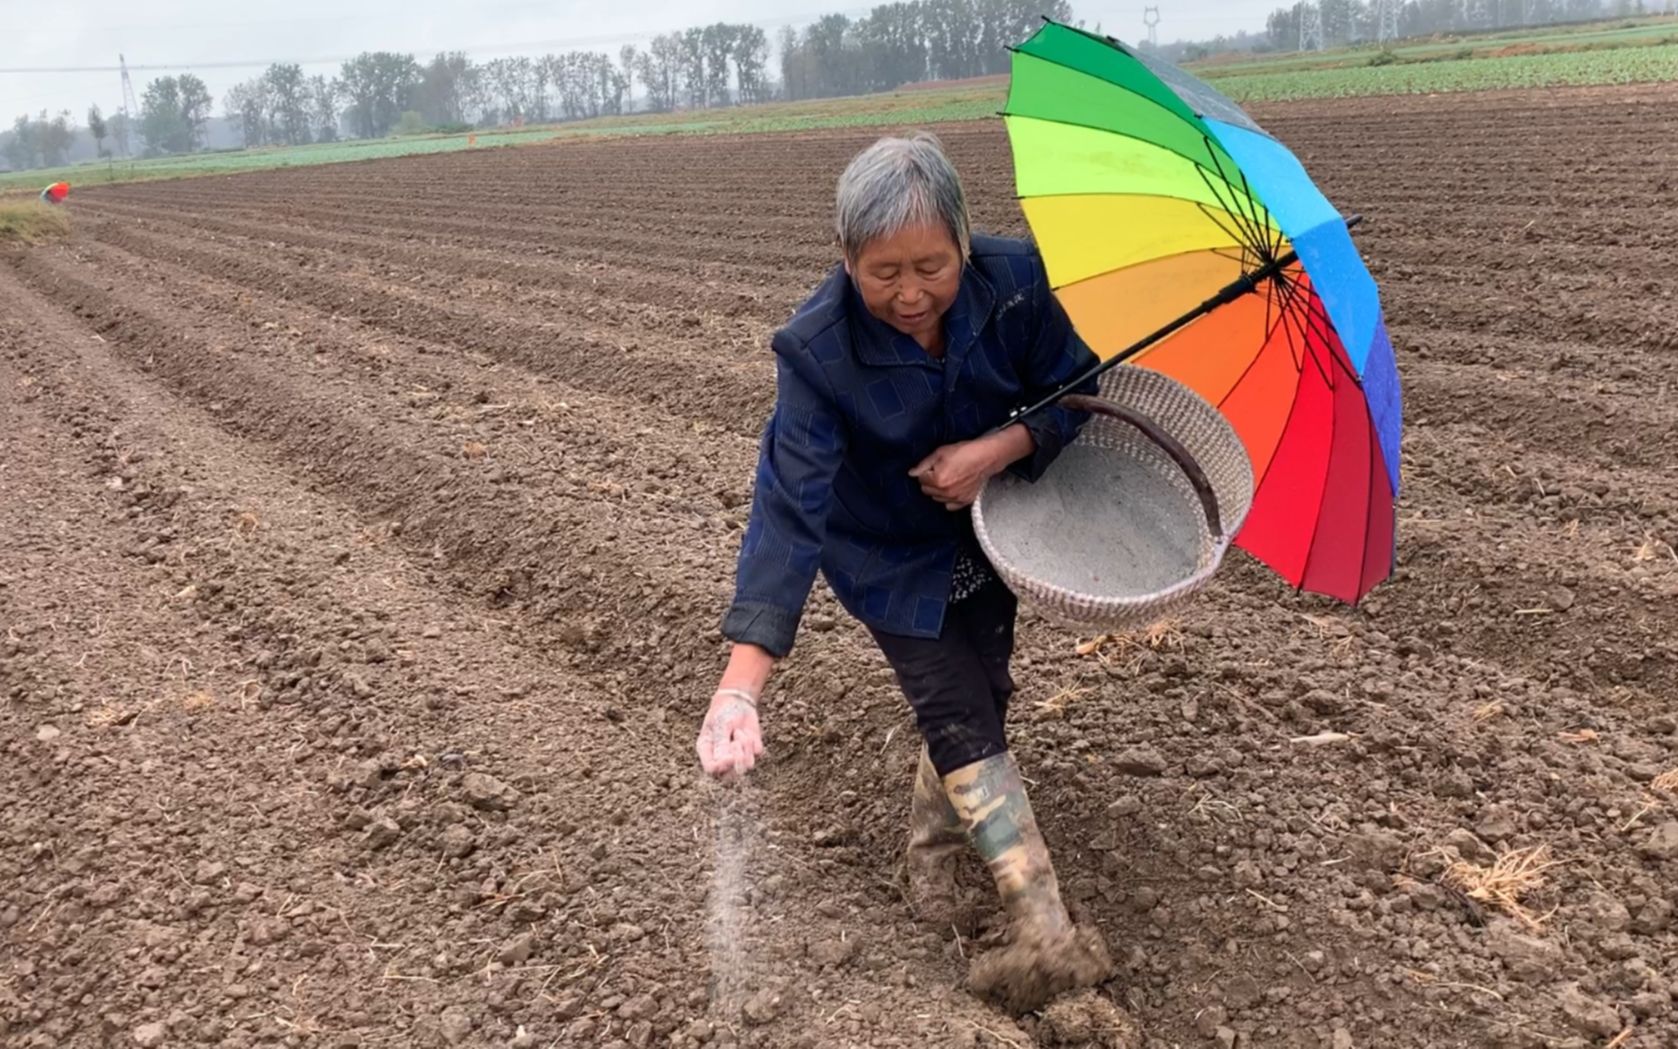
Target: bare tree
(247, 108)
(660, 71)
(323, 107)
(441, 96)
(288, 103)
(717, 42)
(173, 114)
(56, 138)
(96, 127)
(751, 60)
(378, 85)
(629, 61)
(691, 67)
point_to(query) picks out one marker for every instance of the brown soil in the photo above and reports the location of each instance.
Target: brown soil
(366, 530)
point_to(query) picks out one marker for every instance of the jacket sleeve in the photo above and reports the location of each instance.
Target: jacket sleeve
(803, 446)
(1055, 357)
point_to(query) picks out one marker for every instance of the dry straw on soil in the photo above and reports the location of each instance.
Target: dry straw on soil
(1167, 634)
(31, 222)
(1512, 877)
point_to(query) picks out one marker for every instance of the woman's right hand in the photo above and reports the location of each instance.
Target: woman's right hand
(730, 740)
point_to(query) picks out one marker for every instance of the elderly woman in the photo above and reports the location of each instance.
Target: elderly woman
(892, 383)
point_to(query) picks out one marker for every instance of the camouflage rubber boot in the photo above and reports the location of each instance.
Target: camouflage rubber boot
(937, 840)
(1046, 956)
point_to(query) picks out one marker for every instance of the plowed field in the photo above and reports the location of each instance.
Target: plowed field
(364, 532)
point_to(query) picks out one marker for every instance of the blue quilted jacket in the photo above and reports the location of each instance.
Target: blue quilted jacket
(857, 406)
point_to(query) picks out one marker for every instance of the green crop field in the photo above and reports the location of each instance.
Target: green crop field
(1629, 65)
(1644, 32)
(231, 161)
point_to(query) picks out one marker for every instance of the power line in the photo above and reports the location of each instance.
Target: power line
(599, 40)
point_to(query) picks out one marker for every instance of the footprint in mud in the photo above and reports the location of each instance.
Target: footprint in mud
(1088, 1021)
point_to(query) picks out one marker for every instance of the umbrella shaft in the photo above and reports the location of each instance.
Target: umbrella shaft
(1248, 282)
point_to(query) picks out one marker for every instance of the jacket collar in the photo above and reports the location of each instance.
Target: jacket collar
(880, 345)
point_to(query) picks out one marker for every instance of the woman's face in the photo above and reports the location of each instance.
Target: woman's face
(910, 279)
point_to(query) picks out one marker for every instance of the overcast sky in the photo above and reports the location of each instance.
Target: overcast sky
(183, 35)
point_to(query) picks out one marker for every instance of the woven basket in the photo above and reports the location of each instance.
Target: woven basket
(1135, 515)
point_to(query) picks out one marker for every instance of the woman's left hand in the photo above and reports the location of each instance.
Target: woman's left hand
(954, 474)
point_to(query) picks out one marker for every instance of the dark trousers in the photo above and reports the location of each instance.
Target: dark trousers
(958, 685)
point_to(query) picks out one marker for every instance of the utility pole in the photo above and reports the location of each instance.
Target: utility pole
(129, 107)
(1150, 18)
(1310, 27)
(1386, 21)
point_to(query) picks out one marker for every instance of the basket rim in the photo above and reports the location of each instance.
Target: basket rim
(1041, 590)
(1082, 605)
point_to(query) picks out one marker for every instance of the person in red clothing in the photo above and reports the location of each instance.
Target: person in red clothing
(55, 193)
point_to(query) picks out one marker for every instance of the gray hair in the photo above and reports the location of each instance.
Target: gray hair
(897, 183)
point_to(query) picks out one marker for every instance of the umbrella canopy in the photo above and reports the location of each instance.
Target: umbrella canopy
(1181, 237)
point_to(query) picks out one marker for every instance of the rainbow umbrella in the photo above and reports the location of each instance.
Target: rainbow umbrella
(1181, 237)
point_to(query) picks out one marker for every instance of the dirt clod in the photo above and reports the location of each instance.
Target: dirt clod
(1140, 761)
(488, 793)
(456, 1025)
(1588, 1014)
(458, 841)
(762, 1007)
(383, 832)
(1527, 957)
(1470, 847)
(1088, 1021)
(1661, 844)
(833, 952)
(518, 950)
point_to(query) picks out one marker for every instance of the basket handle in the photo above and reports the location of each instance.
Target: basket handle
(1168, 444)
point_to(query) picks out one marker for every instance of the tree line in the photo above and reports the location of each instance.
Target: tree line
(379, 92)
(901, 43)
(45, 141)
(172, 116)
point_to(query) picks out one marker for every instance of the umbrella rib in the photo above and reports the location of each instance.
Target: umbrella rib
(1269, 303)
(1250, 234)
(1307, 328)
(1315, 320)
(1333, 427)
(1262, 219)
(1323, 325)
(1121, 134)
(1258, 224)
(1258, 482)
(1295, 352)
(1236, 235)
(1377, 475)
(1317, 519)
(1270, 329)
